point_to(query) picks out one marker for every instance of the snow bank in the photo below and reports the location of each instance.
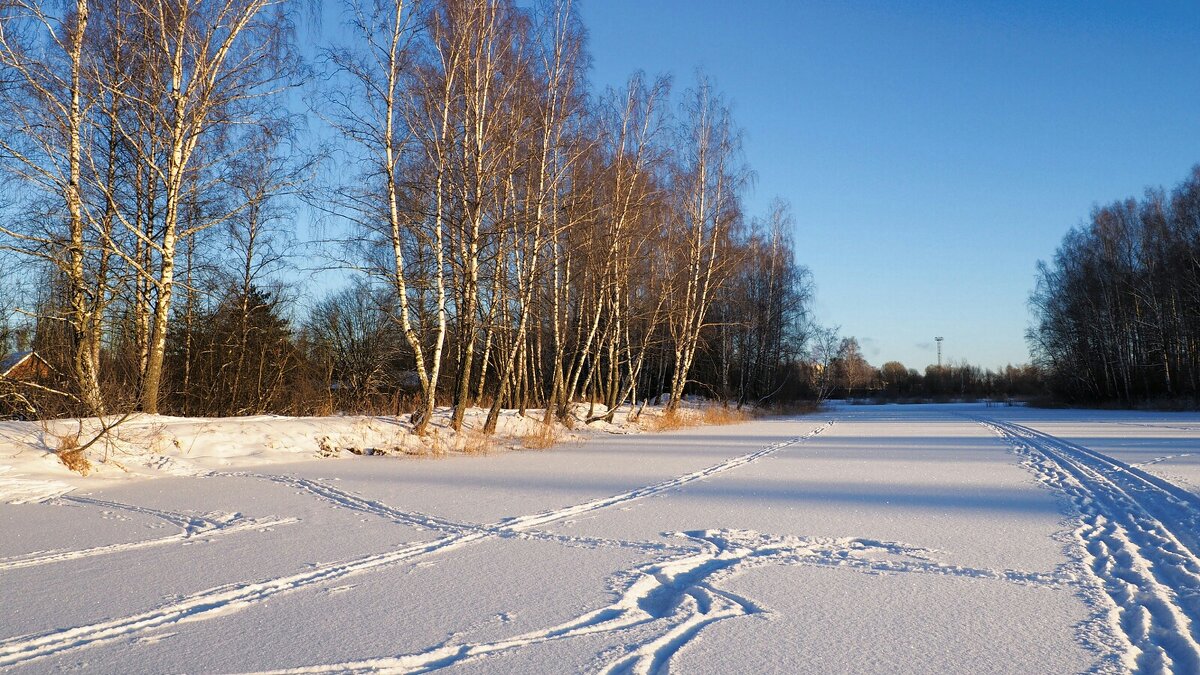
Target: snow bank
(34, 456)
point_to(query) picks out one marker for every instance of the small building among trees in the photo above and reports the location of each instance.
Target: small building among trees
(24, 367)
(20, 376)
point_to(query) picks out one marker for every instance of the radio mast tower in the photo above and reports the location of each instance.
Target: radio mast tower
(938, 340)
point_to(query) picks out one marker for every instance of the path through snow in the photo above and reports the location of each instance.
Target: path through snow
(1138, 537)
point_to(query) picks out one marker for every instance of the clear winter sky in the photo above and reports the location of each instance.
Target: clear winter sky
(932, 151)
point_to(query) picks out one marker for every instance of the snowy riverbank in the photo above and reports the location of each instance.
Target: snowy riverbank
(36, 461)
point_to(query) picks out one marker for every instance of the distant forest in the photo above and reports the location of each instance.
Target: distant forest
(1117, 310)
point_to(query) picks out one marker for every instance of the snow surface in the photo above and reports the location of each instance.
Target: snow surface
(957, 538)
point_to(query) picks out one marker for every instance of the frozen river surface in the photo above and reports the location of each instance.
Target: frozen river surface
(959, 538)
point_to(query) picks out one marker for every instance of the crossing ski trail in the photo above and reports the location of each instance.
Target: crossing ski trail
(222, 600)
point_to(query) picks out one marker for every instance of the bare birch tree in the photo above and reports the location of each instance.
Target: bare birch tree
(398, 112)
(560, 55)
(707, 181)
(46, 111)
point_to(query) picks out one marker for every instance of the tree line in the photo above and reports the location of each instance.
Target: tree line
(840, 370)
(1117, 309)
(509, 236)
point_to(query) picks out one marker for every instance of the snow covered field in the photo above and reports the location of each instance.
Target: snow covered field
(956, 538)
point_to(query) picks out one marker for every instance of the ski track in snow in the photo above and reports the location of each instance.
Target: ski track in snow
(189, 523)
(1172, 427)
(353, 502)
(232, 527)
(222, 600)
(193, 528)
(675, 599)
(420, 521)
(1164, 458)
(1140, 540)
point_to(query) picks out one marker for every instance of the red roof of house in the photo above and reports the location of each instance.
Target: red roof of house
(10, 363)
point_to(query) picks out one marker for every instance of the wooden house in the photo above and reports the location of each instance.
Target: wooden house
(25, 367)
(26, 385)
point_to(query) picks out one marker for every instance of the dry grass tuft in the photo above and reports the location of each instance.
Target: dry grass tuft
(719, 414)
(467, 442)
(707, 416)
(670, 420)
(436, 445)
(474, 442)
(545, 436)
(72, 456)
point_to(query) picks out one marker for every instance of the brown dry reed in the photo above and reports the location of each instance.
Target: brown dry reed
(72, 456)
(545, 436)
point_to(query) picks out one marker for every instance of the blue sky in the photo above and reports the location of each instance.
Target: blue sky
(932, 151)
